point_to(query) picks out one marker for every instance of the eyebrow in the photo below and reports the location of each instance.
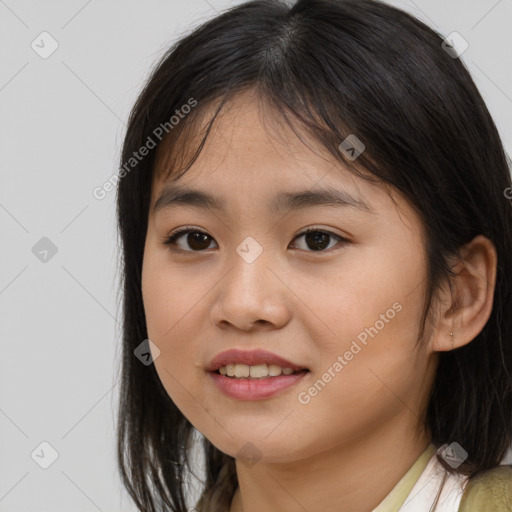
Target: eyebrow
(174, 195)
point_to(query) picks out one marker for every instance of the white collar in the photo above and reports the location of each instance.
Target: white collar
(424, 492)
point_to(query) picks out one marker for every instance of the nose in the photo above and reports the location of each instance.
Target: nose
(253, 295)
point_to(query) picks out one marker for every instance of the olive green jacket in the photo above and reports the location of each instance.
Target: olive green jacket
(489, 492)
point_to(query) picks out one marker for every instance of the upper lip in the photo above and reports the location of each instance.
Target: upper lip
(251, 358)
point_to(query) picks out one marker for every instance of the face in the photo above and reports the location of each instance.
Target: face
(343, 302)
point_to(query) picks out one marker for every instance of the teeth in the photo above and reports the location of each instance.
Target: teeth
(258, 371)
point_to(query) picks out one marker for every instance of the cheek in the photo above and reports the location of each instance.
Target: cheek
(370, 317)
(167, 311)
(172, 305)
(365, 300)
(167, 294)
(361, 386)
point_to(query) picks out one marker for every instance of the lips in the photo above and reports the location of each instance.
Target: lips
(251, 358)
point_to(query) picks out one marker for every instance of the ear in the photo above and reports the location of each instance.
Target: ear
(464, 311)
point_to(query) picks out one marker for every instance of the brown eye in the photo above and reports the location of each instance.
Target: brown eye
(196, 240)
(318, 240)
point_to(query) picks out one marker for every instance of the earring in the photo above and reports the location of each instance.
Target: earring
(451, 334)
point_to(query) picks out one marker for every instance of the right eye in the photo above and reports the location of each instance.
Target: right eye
(196, 239)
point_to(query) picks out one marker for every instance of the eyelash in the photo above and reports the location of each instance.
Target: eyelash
(171, 239)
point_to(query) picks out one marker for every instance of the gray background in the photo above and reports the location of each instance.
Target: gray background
(62, 121)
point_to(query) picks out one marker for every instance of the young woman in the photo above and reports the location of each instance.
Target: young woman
(314, 210)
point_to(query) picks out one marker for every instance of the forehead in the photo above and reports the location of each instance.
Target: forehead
(245, 127)
(247, 134)
(250, 151)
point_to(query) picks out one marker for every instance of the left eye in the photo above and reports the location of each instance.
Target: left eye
(318, 239)
(199, 240)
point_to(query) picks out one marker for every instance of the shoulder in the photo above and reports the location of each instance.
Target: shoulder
(490, 491)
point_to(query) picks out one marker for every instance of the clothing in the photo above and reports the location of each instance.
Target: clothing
(395, 499)
(491, 491)
(417, 490)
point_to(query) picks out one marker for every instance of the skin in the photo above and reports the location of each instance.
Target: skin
(348, 447)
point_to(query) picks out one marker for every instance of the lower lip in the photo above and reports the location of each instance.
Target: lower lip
(255, 389)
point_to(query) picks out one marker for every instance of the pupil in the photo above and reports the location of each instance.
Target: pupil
(319, 240)
(195, 237)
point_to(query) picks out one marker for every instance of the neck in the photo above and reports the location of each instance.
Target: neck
(354, 477)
